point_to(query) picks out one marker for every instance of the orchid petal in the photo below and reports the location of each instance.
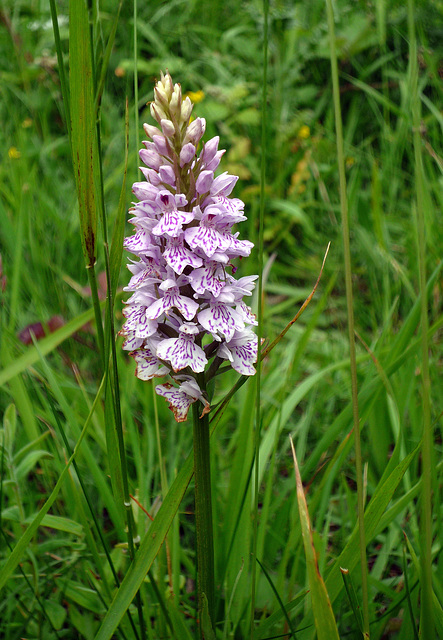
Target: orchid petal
(148, 366)
(179, 401)
(221, 319)
(182, 352)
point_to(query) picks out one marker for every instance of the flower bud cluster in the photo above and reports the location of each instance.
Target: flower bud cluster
(185, 316)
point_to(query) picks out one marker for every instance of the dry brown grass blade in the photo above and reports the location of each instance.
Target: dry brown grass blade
(300, 311)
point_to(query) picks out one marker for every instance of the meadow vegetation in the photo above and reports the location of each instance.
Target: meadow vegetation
(85, 456)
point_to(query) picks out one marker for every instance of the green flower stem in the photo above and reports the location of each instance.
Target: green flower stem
(350, 311)
(203, 514)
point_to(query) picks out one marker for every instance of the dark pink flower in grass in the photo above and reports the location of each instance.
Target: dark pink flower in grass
(186, 313)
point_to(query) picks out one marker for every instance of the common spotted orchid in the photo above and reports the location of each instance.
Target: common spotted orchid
(186, 315)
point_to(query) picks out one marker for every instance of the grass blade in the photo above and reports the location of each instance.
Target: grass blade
(408, 591)
(260, 306)
(61, 68)
(84, 149)
(45, 346)
(321, 605)
(279, 600)
(267, 624)
(375, 509)
(350, 309)
(147, 552)
(24, 541)
(116, 250)
(84, 144)
(105, 61)
(427, 627)
(352, 597)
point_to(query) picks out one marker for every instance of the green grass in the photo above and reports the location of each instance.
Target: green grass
(76, 444)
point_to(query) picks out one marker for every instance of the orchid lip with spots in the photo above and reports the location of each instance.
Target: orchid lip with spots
(186, 315)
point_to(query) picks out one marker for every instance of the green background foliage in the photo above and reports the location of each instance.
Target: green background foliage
(67, 566)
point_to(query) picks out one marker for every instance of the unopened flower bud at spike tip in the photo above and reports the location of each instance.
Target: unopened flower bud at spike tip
(186, 110)
(161, 97)
(167, 127)
(166, 83)
(176, 101)
(157, 112)
(185, 314)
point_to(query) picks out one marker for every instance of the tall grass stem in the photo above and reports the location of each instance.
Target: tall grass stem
(135, 44)
(17, 264)
(259, 306)
(61, 68)
(114, 389)
(350, 311)
(427, 628)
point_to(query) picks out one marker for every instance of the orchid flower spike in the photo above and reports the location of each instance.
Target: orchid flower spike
(186, 315)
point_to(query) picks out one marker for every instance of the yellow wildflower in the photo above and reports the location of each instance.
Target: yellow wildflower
(14, 153)
(196, 96)
(304, 132)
